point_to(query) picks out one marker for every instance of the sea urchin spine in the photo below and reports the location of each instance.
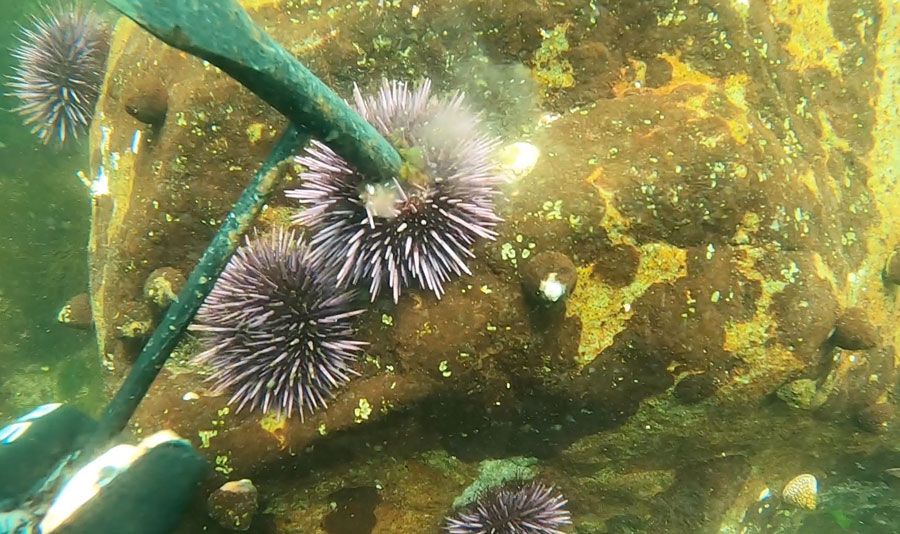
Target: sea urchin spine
(419, 227)
(277, 330)
(57, 80)
(514, 508)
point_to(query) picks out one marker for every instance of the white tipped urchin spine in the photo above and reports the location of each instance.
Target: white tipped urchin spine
(60, 65)
(278, 332)
(513, 508)
(416, 230)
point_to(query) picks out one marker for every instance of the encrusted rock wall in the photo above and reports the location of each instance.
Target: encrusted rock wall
(721, 174)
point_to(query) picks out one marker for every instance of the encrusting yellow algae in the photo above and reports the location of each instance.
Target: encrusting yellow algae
(551, 69)
(883, 160)
(734, 88)
(254, 132)
(604, 310)
(751, 340)
(615, 224)
(274, 424)
(812, 43)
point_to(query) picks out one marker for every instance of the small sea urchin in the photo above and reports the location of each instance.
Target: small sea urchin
(418, 228)
(277, 330)
(57, 80)
(514, 508)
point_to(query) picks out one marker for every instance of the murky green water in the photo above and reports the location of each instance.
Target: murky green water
(43, 238)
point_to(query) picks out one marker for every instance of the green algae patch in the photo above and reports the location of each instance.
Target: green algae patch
(550, 68)
(495, 473)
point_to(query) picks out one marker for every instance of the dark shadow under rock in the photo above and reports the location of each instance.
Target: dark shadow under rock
(354, 511)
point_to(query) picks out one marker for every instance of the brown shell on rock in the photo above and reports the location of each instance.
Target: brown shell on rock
(77, 312)
(801, 492)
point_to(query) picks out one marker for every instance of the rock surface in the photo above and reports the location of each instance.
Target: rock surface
(720, 174)
(854, 331)
(234, 504)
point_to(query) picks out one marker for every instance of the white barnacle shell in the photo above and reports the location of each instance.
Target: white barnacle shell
(551, 288)
(518, 159)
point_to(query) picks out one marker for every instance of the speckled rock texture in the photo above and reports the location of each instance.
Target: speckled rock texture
(234, 504)
(720, 173)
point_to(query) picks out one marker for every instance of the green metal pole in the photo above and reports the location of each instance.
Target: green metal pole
(221, 32)
(158, 348)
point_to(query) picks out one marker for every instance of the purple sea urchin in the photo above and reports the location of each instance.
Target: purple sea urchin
(419, 228)
(517, 508)
(60, 70)
(277, 330)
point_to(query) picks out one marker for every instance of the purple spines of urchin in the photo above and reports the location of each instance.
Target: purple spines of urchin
(415, 230)
(60, 64)
(514, 508)
(277, 330)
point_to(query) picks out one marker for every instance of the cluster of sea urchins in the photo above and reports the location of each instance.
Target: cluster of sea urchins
(277, 322)
(513, 508)
(60, 64)
(420, 227)
(278, 330)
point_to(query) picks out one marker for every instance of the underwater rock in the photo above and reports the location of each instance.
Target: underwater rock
(234, 504)
(802, 492)
(77, 312)
(854, 331)
(720, 185)
(135, 322)
(805, 309)
(803, 394)
(353, 512)
(625, 524)
(147, 103)
(709, 485)
(636, 485)
(695, 388)
(548, 277)
(163, 286)
(875, 417)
